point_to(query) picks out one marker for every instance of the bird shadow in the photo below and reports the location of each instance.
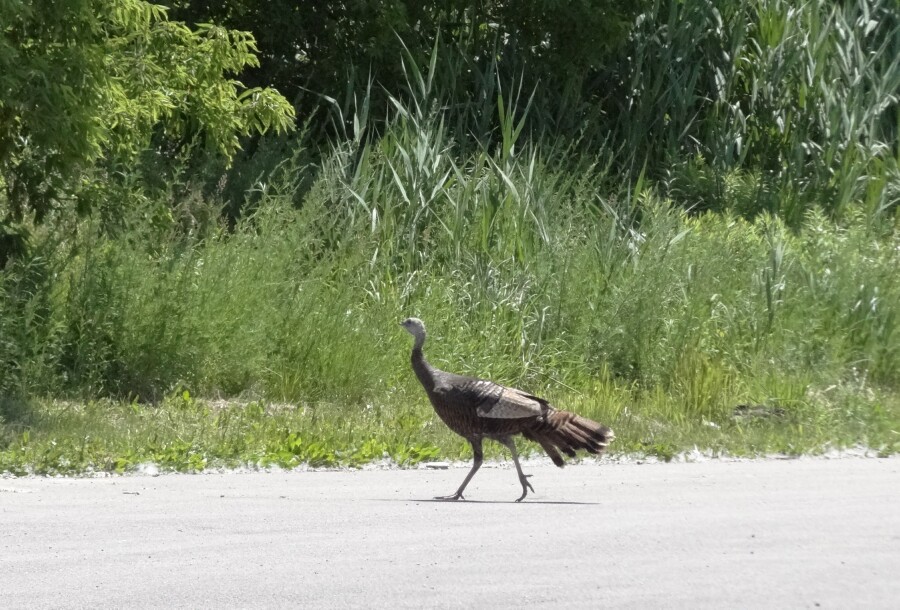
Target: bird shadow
(438, 501)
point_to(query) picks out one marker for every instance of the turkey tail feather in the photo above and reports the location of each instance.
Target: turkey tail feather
(568, 432)
(547, 446)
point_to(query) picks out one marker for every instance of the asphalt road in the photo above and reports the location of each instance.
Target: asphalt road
(757, 534)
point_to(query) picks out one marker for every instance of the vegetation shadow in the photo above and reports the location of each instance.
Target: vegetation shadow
(16, 413)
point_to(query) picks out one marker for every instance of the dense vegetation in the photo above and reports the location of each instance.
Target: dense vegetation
(676, 217)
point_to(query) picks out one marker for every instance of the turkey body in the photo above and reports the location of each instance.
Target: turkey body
(477, 409)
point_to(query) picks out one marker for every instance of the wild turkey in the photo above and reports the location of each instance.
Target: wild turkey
(477, 409)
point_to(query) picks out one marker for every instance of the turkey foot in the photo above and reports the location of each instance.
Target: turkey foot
(525, 486)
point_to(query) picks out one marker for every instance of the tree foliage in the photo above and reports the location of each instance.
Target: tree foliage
(317, 45)
(86, 81)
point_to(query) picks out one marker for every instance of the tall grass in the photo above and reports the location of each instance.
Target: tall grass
(523, 272)
(803, 96)
(755, 106)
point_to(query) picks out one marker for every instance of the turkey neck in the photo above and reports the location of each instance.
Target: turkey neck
(422, 369)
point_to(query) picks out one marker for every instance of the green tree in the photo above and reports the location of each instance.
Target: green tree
(88, 81)
(317, 46)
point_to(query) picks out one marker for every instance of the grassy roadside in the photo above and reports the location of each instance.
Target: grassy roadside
(660, 330)
(184, 434)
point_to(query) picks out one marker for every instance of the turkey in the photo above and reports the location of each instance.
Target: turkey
(477, 409)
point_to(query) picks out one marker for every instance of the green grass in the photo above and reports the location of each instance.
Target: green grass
(660, 329)
(184, 434)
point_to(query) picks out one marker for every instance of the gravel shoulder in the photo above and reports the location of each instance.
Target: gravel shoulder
(766, 533)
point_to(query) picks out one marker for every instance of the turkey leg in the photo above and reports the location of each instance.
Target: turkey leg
(476, 464)
(523, 478)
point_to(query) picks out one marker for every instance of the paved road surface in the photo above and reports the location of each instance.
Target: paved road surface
(763, 534)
